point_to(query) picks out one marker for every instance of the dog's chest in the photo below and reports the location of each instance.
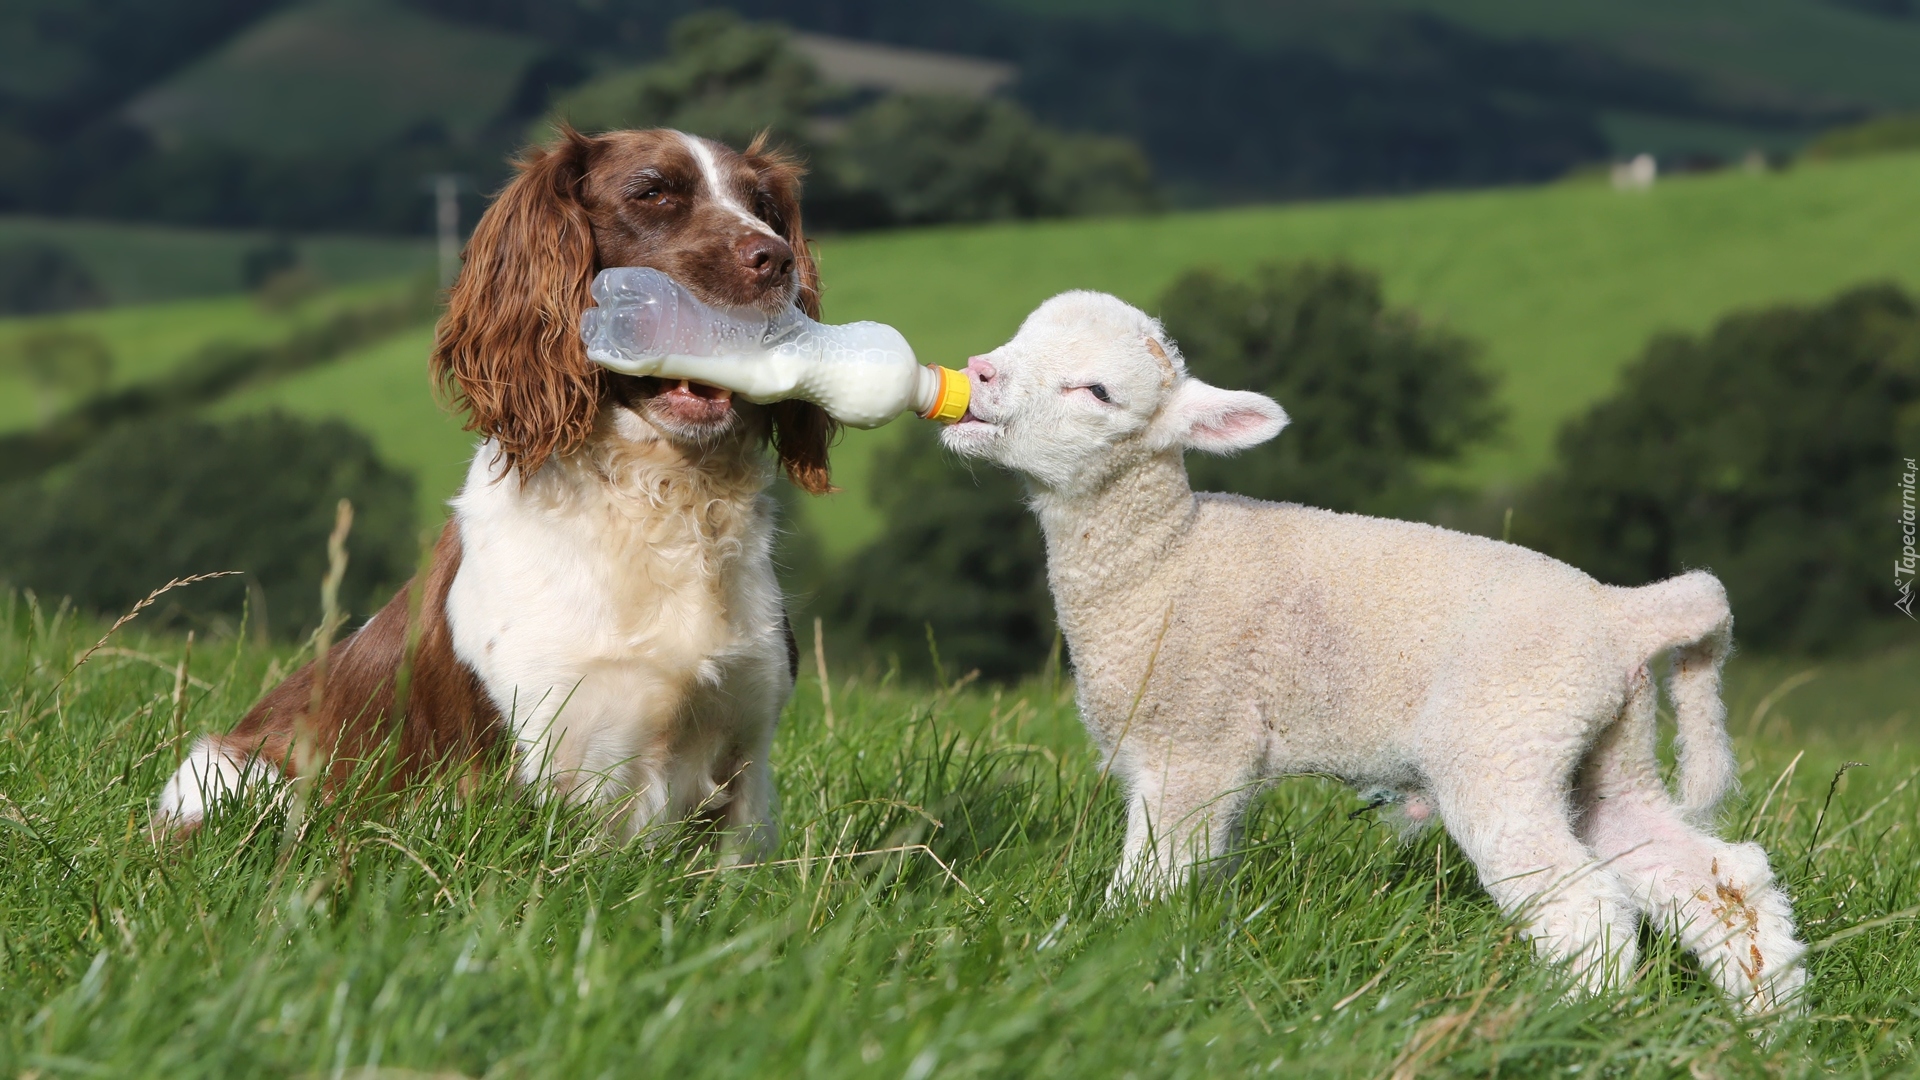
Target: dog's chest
(608, 591)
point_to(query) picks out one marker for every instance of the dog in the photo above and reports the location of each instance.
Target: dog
(602, 606)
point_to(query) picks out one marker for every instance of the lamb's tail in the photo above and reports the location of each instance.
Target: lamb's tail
(1689, 616)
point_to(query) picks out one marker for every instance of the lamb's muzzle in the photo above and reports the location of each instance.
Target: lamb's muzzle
(1509, 692)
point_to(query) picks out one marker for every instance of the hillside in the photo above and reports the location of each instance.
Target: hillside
(174, 292)
(1780, 48)
(327, 114)
(141, 264)
(338, 74)
(1562, 284)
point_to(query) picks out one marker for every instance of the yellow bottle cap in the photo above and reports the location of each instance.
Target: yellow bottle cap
(955, 393)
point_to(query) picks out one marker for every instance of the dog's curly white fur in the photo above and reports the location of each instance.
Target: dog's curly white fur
(1219, 641)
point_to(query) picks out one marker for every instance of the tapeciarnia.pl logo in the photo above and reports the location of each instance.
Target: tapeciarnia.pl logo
(1903, 566)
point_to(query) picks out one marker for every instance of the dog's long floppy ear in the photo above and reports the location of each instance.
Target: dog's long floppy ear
(509, 344)
(802, 432)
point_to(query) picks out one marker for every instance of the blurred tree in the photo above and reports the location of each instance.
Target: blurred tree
(174, 497)
(903, 159)
(60, 364)
(723, 77)
(933, 159)
(1893, 133)
(39, 277)
(266, 260)
(1766, 450)
(1373, 394)
(960, 553)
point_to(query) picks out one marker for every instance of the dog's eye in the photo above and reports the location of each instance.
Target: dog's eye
(653, 196)
(1100, 392)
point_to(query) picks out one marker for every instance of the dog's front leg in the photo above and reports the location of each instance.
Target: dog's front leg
(751, 833)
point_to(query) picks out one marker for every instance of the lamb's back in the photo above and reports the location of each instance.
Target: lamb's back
(1379, 594)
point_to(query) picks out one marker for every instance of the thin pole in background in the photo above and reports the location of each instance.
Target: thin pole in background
(446, 222)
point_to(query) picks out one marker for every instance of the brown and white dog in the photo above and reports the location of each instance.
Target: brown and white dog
(602, 605)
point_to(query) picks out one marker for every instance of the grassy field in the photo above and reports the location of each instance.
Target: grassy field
(935, 911)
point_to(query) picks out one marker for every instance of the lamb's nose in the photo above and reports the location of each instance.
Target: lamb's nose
(980, 368)
(766, 258)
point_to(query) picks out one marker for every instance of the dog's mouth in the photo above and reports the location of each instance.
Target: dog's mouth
(690, 404)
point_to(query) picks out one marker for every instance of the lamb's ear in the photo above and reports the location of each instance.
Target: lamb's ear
(1216, 421)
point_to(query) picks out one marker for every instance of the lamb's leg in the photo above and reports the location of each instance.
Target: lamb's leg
(1516, 832)
(1719, 897)
(1179, 814)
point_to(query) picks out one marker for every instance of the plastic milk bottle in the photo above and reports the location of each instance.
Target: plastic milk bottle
(864, 373)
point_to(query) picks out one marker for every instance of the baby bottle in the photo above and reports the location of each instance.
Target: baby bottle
(863, 373)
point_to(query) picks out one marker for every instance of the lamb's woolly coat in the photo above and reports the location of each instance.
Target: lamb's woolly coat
(1220, 641)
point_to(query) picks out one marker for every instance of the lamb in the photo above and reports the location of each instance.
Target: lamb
(1220, 642)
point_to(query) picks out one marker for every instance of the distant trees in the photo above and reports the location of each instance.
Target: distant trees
(1373, 393)
(1766, 450)
(38, 277)
(900, 160)
(1890, 134)
(930, 159)
(1352, 98)
(1266, 101)
(169, 498)
(722, 77)
(959, 567)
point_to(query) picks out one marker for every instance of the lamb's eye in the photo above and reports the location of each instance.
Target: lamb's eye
(1100, 392)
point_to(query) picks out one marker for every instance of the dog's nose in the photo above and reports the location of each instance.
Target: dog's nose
(766, 258)
(980, 368)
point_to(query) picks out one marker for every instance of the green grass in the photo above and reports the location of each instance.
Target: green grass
(497, 936)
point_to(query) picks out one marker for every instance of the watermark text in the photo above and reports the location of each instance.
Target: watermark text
(1903, 567)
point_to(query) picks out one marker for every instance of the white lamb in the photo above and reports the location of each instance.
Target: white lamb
(1220, 641)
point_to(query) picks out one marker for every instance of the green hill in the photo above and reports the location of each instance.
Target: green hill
(142, 264)
(1563, 284)
(1840, 51)
(338, 73)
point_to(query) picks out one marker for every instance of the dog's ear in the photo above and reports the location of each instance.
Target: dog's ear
(509, 344)
(802, 432)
